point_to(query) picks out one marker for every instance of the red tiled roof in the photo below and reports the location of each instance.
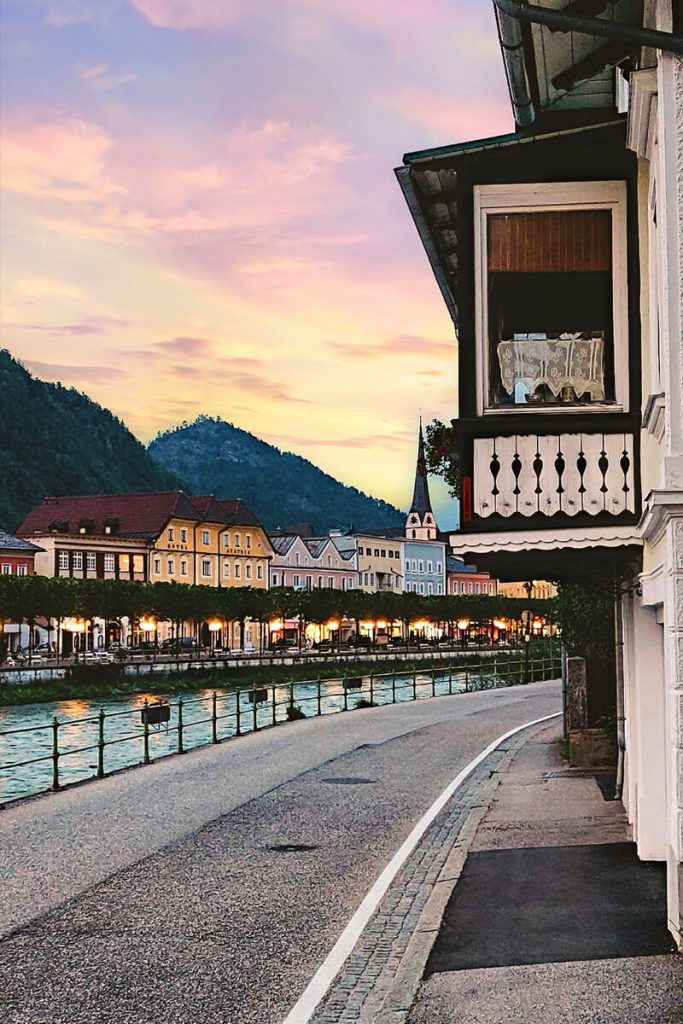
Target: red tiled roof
(238, 512)
(138, 515)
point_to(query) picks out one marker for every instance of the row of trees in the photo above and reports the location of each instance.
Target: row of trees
(31, 598)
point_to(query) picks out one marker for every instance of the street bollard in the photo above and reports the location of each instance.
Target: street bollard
(238, 711)
(180, 726)
(214, 717)
(254, 708)
(372, 694)
(291, 695)
(450, 680)
(346, 696)
(415, 684)
(55, 755)
(433, 682)
(274, 716)
(320, 699)
(393, 688)
(100, 745)
(145, 734)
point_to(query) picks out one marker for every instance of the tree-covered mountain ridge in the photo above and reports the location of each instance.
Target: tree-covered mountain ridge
(217, 457)
(55, 441)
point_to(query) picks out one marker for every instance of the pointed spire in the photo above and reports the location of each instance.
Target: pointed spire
(421, 503)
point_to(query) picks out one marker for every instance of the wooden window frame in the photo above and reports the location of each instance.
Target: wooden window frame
(552, 196)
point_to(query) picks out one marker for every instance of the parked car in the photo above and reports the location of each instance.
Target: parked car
(47, 650)
(179, 645)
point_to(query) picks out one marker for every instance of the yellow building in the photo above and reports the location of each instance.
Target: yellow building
(539, 589)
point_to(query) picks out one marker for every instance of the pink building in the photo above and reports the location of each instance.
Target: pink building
(309, 562)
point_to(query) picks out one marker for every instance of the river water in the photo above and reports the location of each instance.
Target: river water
(27, 733)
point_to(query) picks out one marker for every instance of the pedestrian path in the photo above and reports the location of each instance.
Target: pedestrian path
(525, 903)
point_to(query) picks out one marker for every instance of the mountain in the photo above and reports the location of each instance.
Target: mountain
(218, 458)
(55, 441)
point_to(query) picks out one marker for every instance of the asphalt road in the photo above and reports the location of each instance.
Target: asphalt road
(209, 887)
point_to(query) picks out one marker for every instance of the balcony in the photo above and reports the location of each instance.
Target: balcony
(585, 475)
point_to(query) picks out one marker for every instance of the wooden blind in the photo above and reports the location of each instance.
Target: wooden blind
(557, 240)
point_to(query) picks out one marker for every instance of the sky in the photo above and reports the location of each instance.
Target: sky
(200, 213)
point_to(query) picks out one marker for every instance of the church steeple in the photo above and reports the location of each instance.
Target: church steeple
(420, 524)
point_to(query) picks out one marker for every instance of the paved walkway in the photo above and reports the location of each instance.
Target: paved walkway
(525, 904)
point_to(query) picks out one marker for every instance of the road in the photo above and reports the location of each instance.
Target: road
(211, 886)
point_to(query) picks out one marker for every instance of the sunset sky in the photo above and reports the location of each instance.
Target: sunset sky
(200, 212)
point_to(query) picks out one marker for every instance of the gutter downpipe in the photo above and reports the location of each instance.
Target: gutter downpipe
(509, 14)
(621, 720)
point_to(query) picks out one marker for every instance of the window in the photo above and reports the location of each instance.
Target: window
(226, 570)
(63, 559)
(330, 582)
(551, 296)
(170, 567)
(171, 534)
(439, 567)
(247, 570)
(206, 537)
(138, 563)
(360, 551)
(238, 570)
(21, 570)
(238, 541)
(383, 553)
(276, 579)
(367, 579)
(183, 567)
(430, 587)
(476, 588)
(422, 566)
(206, 566)
(429, 566)
(439, 588)
(297, 558)
(77, 561)
(422, 588)
(376, 552)
(372, 579)
(110, 564)
(226, 540)
(183, 536)
(247, 540)
(259, 571)
(296, 580)
(350, 583)
(91, 561)
(320, 581)
(124, 563)
(470, 588)
(7, 569)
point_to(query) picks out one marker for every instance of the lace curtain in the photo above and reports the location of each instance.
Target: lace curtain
(570, 360)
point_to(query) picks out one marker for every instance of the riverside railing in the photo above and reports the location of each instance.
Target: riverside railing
(67, 750)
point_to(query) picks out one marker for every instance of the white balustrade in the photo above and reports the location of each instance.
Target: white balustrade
(548, 474)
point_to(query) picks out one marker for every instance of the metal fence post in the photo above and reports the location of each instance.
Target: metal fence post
(145, 735)
(320, 698)
(55, 754)
(346, 696)
(254, 710)
(180, 726)
(372, 692)
(238, 711)
(214, 717)
(393, 688)
(450, 679)
(291, 695)
(415, 684)
(467, 680)
(433, 671)
(274, 709)
(100, 745)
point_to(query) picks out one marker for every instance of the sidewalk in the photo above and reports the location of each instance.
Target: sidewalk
(525, 903)
(553, 918)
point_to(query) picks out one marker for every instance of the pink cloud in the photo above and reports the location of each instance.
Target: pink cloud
(405, 344)
(95, 325)
(72, 374)
(186, 14)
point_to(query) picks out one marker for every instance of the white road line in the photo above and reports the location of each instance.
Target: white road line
(320, 984)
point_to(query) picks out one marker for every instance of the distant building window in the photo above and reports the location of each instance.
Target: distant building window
(247, 540)
(470, 587)
(183, 567)
(21, 570)
(77, 560)
(238, 541)
(476, 588)
(247, 570)
(183, 536)
(297, 558)
(349, 583)
(110, 564)
(259, 572)
(422, 566)
(376, 552)
(422, 588)
(124, 563)
(429, 566)
(206, 567)
(206, 537)
(372, 579)
(171, 534)
(226, 540)
(439, 588)
(7, 569)
(226, 570)
(414, 534)
(430, 587)
(91, 561)
(275, 579)
(170, 567)
(383, 553)
(320, 581)
(297, 579)
(63, 559)
(360, 551)
(330, 582)
(366, 580)
(238, 570)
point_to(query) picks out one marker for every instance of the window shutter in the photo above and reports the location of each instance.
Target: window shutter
(554, 240)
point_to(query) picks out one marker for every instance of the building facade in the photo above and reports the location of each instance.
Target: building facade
(17, 558)
(307, 563)
(558, 251)
(467, 579)
(378, 559)
(541, 589)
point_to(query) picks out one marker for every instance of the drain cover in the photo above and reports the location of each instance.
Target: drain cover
(349, 780)
(291, 847)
